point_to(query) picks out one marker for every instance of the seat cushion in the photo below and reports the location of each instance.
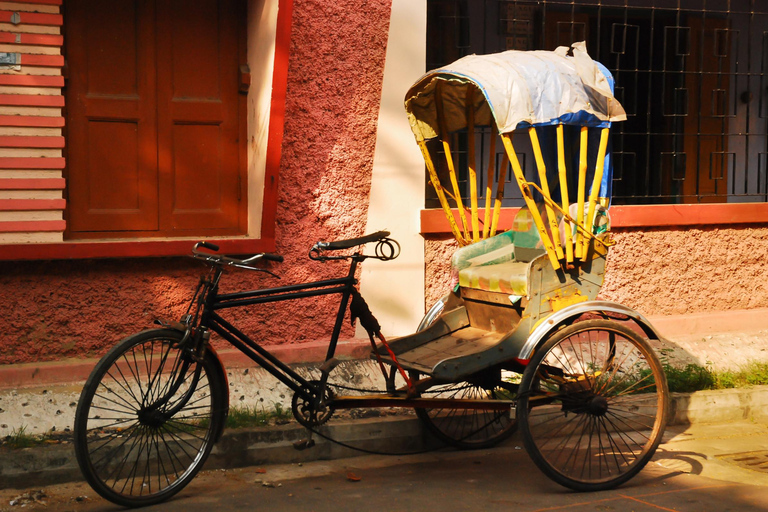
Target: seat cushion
(510, 277)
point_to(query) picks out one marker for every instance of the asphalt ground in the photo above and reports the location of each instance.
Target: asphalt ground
(702, 467)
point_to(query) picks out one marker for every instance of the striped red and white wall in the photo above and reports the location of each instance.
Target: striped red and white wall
(31, 122)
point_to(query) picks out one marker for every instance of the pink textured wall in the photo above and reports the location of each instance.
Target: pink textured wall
(437, 260)
(675, 271)
(59, 309)
(663, 271)
(334, 89)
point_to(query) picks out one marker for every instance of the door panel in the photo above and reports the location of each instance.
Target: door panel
(707, 162)
(116, 182)
(111, 125)
(197, 88)
(197, 177)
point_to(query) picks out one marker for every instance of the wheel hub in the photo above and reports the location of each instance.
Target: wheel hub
(151, 418)
(598, 406)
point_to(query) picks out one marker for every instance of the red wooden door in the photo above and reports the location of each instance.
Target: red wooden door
(111, 125)
(154, 118)
(197, 126)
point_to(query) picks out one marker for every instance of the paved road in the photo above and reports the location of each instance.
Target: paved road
(694, 470)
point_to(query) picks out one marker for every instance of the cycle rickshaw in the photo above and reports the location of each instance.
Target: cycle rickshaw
(520, 339)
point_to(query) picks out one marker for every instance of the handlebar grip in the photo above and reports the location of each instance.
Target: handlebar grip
(272, 257)
(209, 245)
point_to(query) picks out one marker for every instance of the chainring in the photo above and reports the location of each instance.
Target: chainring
(305, 411)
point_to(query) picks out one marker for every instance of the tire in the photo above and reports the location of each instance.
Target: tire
(466, 429)
(593, 405)
(469, 429)
(134, 455)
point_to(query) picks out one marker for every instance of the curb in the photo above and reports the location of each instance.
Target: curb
(722, 406)
(53, 464)
(56, 463)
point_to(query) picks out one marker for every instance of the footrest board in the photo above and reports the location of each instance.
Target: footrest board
(461, 343)
(447, 323)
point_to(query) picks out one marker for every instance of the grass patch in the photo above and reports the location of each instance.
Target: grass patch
(246, 416)
(694, 377)
(19, 439)
(751, 374)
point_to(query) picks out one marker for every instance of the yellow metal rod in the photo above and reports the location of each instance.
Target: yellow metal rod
(489, 181)
(564, 192)
(444, 136)
(581, 190)
(528, 197)
(568, 218)
(499, 194)
(553, 227)
(471, 163)
(440, 193)
(596, 183)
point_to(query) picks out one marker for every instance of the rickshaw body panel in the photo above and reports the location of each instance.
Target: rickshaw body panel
(550, 292)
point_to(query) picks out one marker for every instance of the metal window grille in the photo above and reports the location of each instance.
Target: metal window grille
(691, 74)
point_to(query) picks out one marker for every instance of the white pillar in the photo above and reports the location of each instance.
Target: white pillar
(395, 289)
(262, 29)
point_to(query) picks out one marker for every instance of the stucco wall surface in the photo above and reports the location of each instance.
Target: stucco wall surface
(663, 271)
(59, 309)
(437, 260)
(334, 89)
(676, 271)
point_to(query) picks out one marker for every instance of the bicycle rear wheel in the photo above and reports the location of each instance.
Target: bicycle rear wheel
(147, 418)
(593, 405)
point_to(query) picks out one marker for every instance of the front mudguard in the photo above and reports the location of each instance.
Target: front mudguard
(218, 368)
(568, 315)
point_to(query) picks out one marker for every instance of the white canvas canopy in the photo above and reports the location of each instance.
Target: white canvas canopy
(536, 87)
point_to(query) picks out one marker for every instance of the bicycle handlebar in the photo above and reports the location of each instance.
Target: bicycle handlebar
(272, 257)
(207, 245)
(386, 248)
(221, 259)
(352, 242)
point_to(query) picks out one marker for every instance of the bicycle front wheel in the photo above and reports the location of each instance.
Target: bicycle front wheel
(147, 419)
(593, 405)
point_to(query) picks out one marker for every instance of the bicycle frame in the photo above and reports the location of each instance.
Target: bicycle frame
(215, 302)
(211, 320)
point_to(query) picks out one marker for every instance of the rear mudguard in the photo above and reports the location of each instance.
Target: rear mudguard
(218, 368)
(568, 315)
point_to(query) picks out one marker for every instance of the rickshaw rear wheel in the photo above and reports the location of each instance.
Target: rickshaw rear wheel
(470, 429)
(593, 405)
(467, 429)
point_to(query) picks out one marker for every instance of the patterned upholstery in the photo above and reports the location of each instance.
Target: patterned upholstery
(510, 277)
(500, 263)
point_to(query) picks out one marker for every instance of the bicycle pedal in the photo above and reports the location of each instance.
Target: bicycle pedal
(303, 444)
